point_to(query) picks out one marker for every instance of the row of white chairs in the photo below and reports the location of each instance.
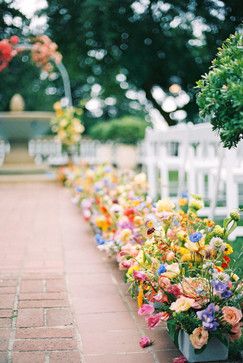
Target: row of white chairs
(50, 151)
(4, 150)
(203, 166)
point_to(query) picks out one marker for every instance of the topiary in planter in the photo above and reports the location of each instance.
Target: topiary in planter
(220, 99)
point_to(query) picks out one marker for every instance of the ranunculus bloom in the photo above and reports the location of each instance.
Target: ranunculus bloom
(139, 275)
(146, 309)
(164, 282)
(125, 264)
(231, 315)
(182, 304)
(154, 320)
(145, 342)
(199, 337)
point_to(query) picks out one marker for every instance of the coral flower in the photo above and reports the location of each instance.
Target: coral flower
(231, 315)
(199, 337)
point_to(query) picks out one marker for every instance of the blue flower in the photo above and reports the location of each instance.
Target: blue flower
(79, 189)
(208, 318)
(195, 237)
(184, 195)
(99, 240)
(161, 269)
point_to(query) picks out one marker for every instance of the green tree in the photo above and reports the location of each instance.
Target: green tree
(221, 92)
(150, 42)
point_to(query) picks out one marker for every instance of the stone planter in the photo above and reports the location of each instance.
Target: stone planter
(214, 351)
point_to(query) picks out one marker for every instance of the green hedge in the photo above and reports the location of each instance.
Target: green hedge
(221, 92)
(126, 130)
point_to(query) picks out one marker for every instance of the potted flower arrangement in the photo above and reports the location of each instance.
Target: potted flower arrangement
(184, 273)
(177, 264)
(67, 126)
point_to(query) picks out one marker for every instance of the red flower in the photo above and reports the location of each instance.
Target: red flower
(226, 262)
(14, 40)
(6, 53)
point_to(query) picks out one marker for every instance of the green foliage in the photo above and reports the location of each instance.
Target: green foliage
(126, 130)
(187, 322)
(153, 45)
(221, 92)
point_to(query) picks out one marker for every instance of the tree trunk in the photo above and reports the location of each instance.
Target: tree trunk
(156, 105)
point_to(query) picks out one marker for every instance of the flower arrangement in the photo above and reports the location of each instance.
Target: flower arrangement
(7, 51)
(43, 51)
(67, 125)
(177, 264)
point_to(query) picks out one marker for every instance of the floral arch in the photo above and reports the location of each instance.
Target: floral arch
(44, 53)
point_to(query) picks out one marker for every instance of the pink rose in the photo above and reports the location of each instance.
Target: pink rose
(146, 309)
(231, 315)
(125, 264)
(180, 359)
(139, 275)
(154, 320)
(199, 337)
(145, 342)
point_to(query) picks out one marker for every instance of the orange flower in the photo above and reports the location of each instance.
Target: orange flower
(199, 337)
(231, 315)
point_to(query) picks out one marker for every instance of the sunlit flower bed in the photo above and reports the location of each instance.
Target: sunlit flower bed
(177, 265)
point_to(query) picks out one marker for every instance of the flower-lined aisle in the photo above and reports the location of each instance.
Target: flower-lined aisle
(177, 265)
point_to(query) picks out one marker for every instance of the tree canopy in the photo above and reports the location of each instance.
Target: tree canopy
(127, 54)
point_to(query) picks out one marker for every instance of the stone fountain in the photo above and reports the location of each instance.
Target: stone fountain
(19, 126)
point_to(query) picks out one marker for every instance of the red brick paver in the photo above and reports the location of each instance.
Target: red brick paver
(61, 300)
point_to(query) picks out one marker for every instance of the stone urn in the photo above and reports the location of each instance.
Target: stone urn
(17, 103)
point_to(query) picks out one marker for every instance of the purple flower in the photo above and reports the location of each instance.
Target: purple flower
(195, 237)
(221, 289)
(226, 294)
(208, 318)
(219, 286)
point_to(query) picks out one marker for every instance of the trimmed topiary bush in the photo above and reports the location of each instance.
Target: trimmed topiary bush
(126, 130)
(220, 99)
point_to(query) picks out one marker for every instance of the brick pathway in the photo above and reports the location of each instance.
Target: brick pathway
(61, 300)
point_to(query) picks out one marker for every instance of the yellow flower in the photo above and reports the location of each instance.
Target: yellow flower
(182, 236)
(182, 202)
(235, 277)
(172, 271)
(140, 296)
(228, 249)
(165, 205)
(133, 268)
(182, 304)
